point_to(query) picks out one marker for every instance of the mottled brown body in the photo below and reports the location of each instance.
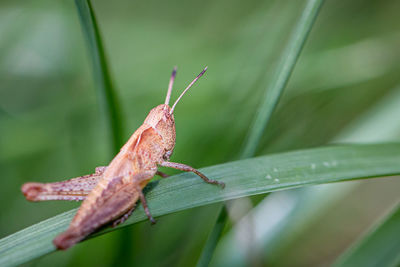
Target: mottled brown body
(111, 193)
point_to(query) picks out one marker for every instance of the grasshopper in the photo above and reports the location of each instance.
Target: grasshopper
(111, 193)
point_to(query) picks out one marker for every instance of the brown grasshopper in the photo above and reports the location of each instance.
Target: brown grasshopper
(111, 193)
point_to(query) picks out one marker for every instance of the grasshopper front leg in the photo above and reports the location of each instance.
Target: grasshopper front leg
(73, 189)
(186, 168)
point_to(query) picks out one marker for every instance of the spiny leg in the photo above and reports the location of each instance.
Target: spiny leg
(187, 168)
(123, 218)
(145, 207)
(163, 175)
(73, 189)
(100, 169)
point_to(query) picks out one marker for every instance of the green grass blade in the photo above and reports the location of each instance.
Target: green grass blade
(284, 70)
(270, 100)
(307, 205)
(242, 178)
(105, 91)
(380, 247)
(212, 239)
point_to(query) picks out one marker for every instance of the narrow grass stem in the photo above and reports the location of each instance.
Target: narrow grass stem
(104, 87)
(269, 102)
(107, 99)
(380, 246)
(213, 238)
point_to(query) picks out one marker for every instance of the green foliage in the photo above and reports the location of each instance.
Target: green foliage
(271, 98)
(243, 178)
(213, 239)
(379, 247)
(283, 71)
(101, 72)
(345, 88)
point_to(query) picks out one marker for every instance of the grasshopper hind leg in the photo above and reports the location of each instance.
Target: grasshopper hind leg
(73, 189)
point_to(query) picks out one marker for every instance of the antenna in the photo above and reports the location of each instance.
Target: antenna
(171, 83)
(187, 88)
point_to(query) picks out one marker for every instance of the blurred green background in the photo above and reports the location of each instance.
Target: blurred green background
(345, 88)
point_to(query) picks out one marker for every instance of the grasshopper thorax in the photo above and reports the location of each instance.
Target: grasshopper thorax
(161, 120)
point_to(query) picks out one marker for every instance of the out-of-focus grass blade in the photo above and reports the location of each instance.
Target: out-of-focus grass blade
(243, 178)
(106, 93)
(275, 221)
(303, 207)
(284, 70)
(380, 247)
(213, 238)
(104, 86)
(270, 100)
